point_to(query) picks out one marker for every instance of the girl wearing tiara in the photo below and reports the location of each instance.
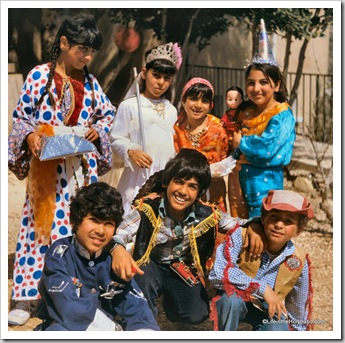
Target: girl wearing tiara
(268, 134)
(55, 94)
(158, 118)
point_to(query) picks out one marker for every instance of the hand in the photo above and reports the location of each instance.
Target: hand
(123, 264)
(33, 140)
(275, 304)
(254, 240)
(236, 139)
(243, 159)
(140, 158)
(91, 135)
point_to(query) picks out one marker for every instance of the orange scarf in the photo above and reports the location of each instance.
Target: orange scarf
(257, 125)
(41, 189)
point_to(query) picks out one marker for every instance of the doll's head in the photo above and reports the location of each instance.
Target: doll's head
(234, 97)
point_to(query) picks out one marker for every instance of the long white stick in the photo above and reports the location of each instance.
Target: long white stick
(140, 115)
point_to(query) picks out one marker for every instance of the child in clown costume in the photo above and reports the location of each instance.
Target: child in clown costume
(58, 95)
(266, 142)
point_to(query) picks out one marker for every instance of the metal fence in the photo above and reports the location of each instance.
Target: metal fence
(313, 108)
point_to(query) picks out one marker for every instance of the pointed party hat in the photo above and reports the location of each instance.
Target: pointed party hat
(264, 53)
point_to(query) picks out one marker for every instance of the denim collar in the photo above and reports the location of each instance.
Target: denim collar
(163, 211)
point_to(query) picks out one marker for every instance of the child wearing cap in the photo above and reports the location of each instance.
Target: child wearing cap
(272, 292)
(79, 291)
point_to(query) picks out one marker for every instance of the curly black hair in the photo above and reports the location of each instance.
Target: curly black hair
(98, 199)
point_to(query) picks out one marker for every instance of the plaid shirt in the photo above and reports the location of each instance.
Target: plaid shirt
(296, 300)
(172, 240)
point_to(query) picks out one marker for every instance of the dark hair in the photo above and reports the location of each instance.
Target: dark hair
(199, 90)
(98, 199)
(302, 219)
(242, 105)
(162, 66)
(235, 88)
(187, 164)
(79, 29)
(152, 185)
(273, 72)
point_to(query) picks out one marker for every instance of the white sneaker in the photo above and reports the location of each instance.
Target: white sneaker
(21, 312)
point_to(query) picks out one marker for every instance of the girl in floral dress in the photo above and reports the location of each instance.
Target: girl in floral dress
(197, 129)
(58, 94)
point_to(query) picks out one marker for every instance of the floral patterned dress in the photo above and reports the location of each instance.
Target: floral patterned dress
(213, 143)
(75, 110)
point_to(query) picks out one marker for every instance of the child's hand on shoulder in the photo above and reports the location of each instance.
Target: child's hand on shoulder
(253, 239)
(123, 264)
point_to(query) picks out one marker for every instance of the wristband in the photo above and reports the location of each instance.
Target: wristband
(111, 248)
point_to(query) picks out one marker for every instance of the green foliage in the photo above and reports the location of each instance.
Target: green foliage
(298, 22)
(209, 23)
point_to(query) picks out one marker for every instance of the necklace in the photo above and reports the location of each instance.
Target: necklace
(194, 138)
(159, 108)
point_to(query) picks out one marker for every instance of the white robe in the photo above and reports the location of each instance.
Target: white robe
(126, 134)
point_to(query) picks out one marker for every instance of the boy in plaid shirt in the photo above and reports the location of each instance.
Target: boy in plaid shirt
(272, 293)
(174, 229)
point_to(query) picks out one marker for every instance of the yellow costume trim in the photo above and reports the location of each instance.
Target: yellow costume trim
(195, 232)
(211, 221)
(156, 224)
(257, 125)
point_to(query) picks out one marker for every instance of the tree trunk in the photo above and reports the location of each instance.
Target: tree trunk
(287, 55)
(164, 24)
(301, 59)
(180, 79)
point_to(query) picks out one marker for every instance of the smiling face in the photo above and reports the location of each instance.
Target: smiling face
(156, 84)
(280, 227)
(181, 194)
(260, 89)
(197, 108)
(233, 99)
(94, 234)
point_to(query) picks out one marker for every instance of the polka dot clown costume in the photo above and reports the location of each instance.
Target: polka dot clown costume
(54, 96)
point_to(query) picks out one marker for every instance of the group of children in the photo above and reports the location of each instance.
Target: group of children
(167, 203)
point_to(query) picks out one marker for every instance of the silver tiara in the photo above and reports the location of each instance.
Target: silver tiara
(169, 51)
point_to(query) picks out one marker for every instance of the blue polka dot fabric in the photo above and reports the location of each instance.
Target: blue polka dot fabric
(30, 250)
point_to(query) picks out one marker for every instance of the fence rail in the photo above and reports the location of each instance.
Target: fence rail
(313, 108)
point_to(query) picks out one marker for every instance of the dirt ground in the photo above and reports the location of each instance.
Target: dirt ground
(318, 245)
